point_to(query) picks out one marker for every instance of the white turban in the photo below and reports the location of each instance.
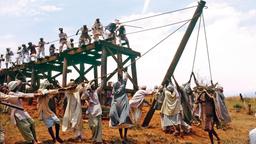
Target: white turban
(44, 84)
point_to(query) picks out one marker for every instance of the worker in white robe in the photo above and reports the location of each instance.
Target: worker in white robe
(171, 112)
(94, 111)
(72, 120)
(137, 102)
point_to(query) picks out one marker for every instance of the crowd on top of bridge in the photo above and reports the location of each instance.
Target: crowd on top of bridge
(114, 32)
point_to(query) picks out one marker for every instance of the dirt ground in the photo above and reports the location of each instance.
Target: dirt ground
(237, 133)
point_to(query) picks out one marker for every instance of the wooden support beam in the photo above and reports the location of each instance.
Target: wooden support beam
(114, 72)
(104, 67)
(88, 70)
(95, 54)
(134, 73)
(80, 50)
(123, 50)
(33, 78)
(81, 73)
(119, 63)
(132, 80)
(77, 59)
(49, 74)
(95, 72)
(54, 77)
(76, 68)
(64, 72)
(119, 66)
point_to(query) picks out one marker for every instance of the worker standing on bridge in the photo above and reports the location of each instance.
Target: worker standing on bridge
(19, 57)
(72, 45)
(97, 30)
(41, 48)
(84, 37)
(121, 34)
(1, 60)
(110, 30)
(25, 54)
(32, 48)
(52, 49)
(63, 40)
(8, 57)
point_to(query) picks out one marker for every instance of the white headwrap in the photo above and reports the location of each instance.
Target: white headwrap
(44, 84)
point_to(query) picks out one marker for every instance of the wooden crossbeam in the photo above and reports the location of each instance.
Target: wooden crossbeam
(123, 50)
(115, 71)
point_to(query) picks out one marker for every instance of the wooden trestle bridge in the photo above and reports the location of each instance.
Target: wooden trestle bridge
(95, 55)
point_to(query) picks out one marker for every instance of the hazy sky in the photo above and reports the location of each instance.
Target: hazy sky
(230, 27)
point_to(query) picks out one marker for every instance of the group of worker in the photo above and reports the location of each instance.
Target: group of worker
(76, 95)
(114, 32)
(179, 106)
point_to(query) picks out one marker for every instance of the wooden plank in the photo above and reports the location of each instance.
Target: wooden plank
(114, 72)
(95, 72)
(64, 72)
(134, 73)
(104, 67)
(123, 50)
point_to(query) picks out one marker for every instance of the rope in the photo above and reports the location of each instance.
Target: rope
(124, 68)
(164, 13)
(158, 27)
(161, 41)
(195, 52)
(184, 21)
(58, 39)
(206, 42)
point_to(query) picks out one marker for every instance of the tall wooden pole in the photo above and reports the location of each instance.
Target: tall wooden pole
(33, 78)
(183, 42)
(81, 74)
(104, 67)
(64, 72)
(134, 73)
(176, 58)
(95, 71)
(119, 65)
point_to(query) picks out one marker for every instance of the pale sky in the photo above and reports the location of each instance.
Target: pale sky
(230, 27)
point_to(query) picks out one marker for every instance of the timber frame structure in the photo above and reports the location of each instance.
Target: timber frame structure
(95, 55)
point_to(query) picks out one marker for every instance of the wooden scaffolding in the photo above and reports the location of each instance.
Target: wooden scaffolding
(96, 55)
